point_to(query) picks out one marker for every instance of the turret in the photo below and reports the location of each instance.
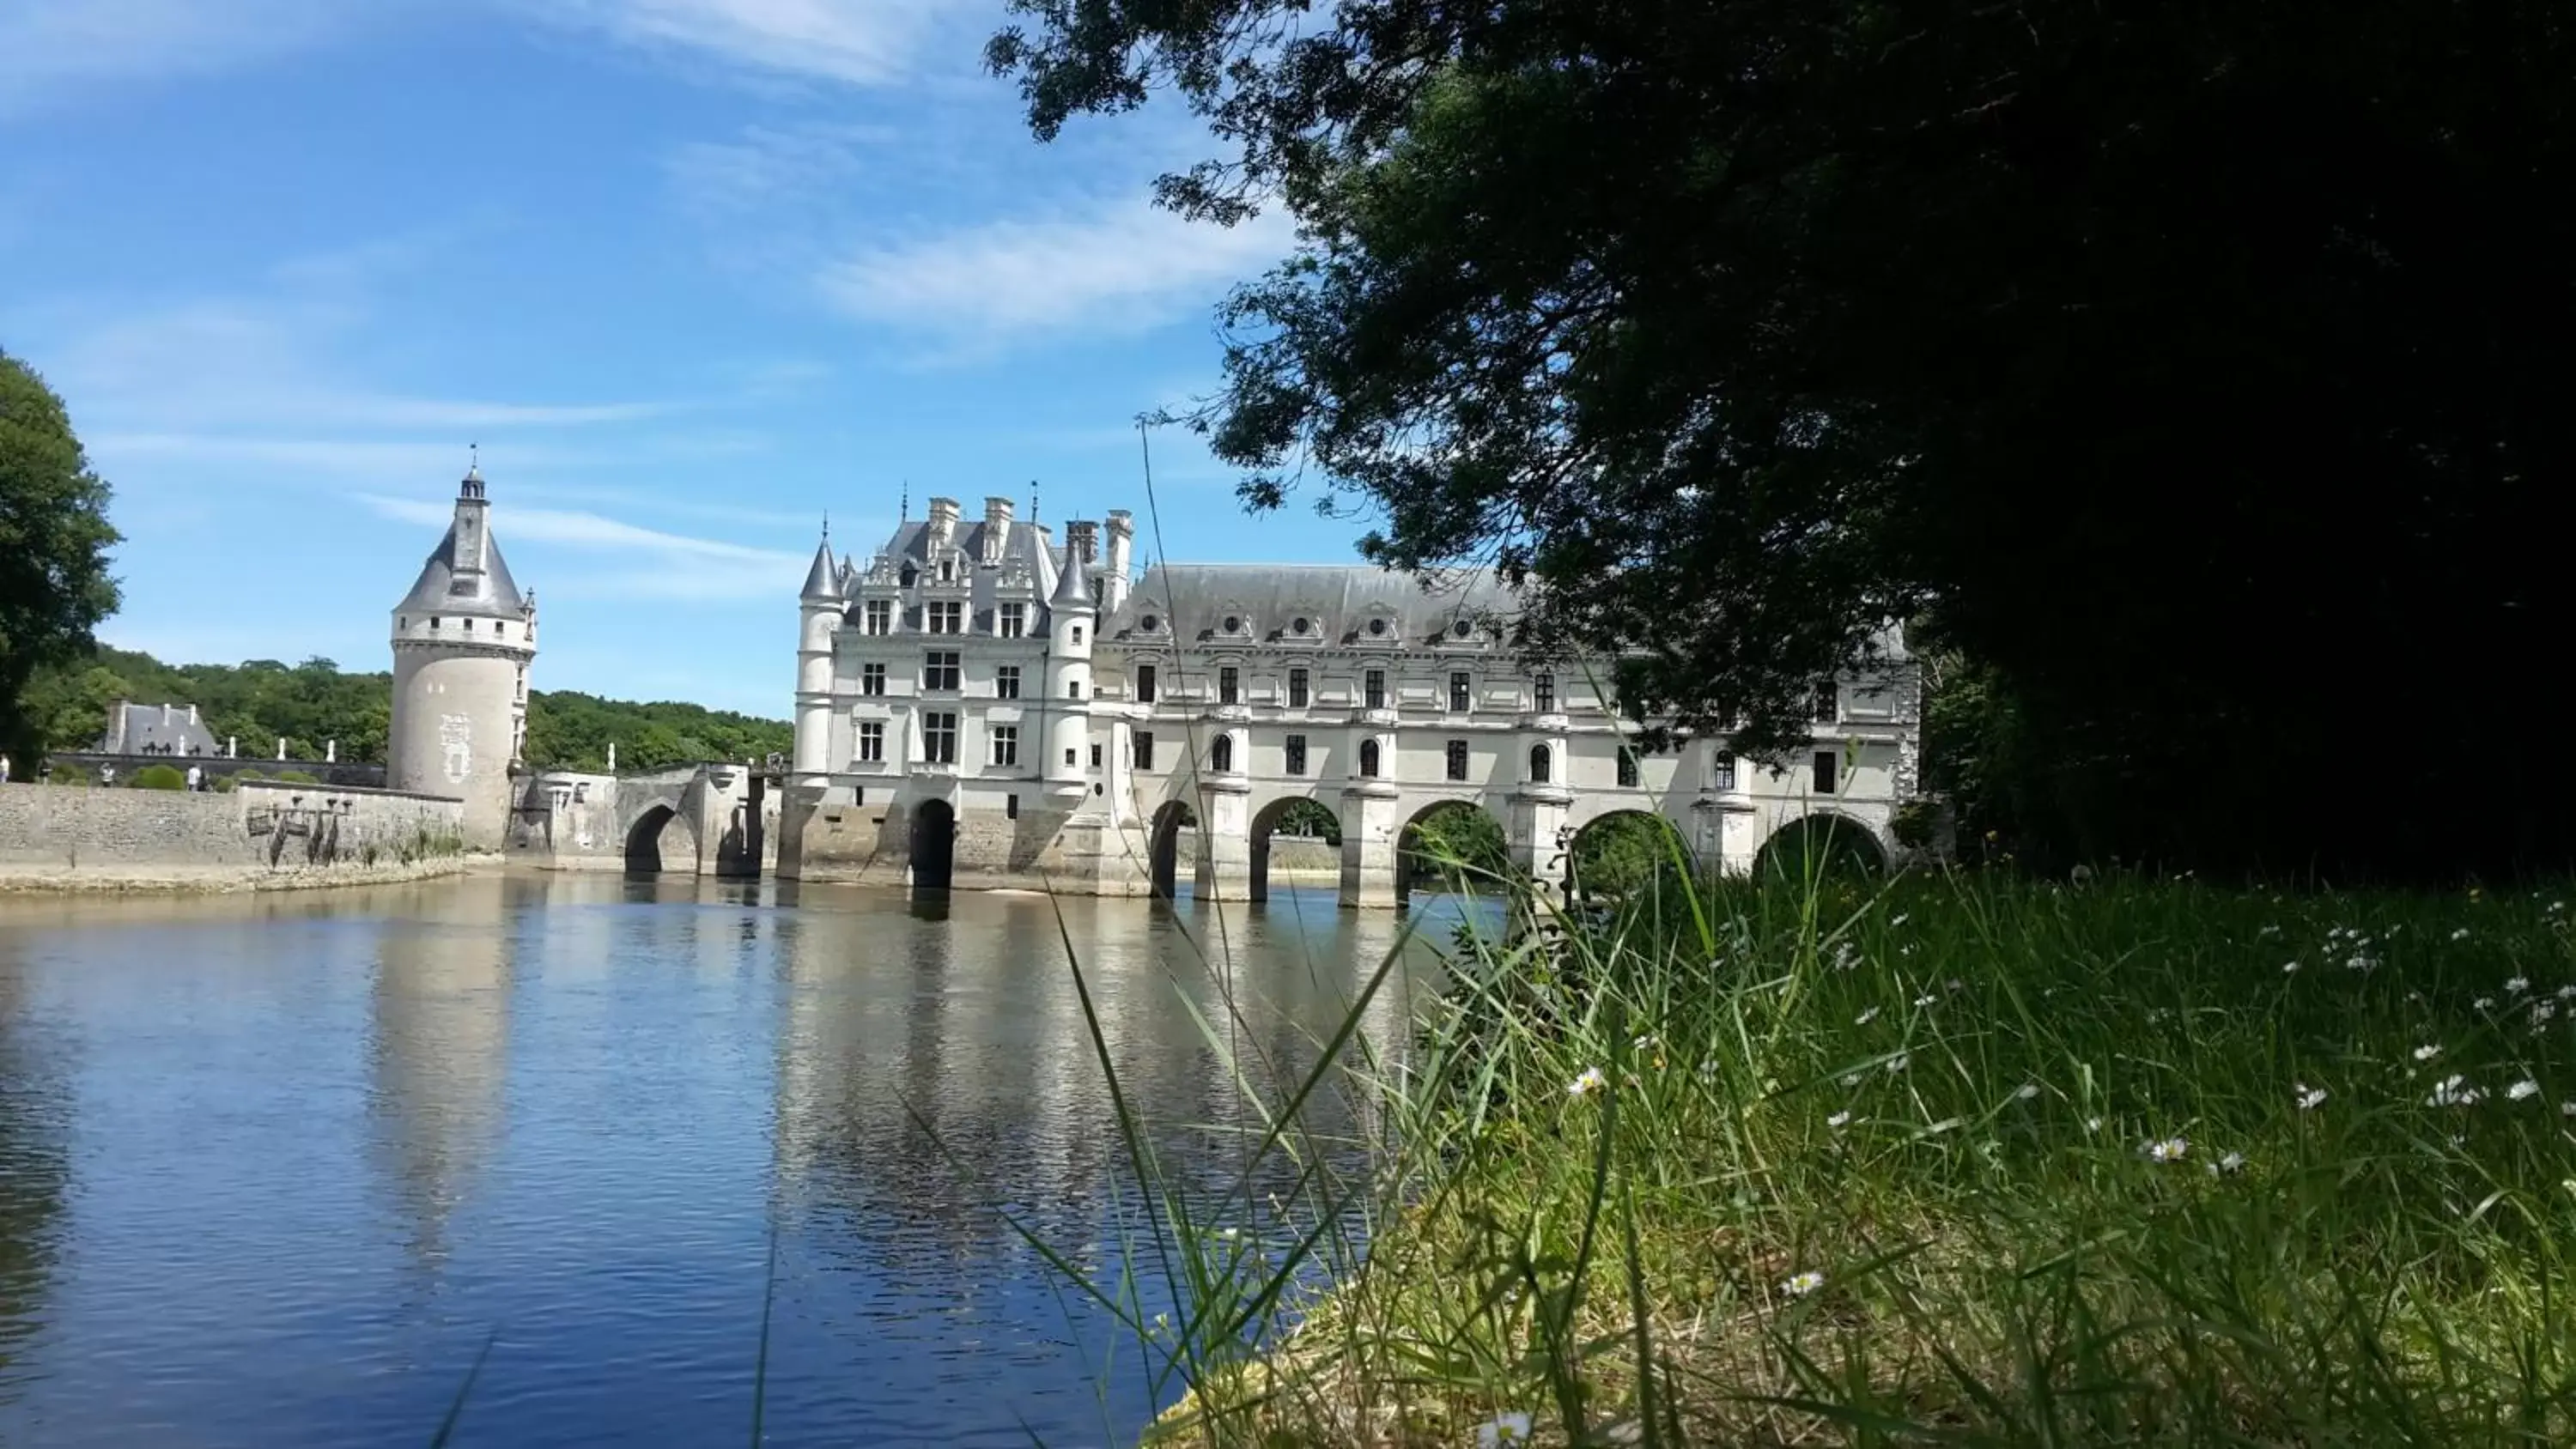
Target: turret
(1071, 617)
(819, 614)
(1114, 578)
(463, 641)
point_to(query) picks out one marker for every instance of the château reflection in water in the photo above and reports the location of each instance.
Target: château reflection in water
(273, 1169)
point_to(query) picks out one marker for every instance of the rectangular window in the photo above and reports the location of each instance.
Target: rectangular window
(948, 617)
(1459, 684)
(1828, 703)
(1144, 749)
(1296, 689)
(1006, 682)
(872, 742)
(1373, 689)
(1825, 761)
(1012, 622)
(1010, 807)
(1229, 684)
(1543, 692)
(871, 679)
(1145, 684)
(1073, 689)
(1095, 757)
(1296, 754)
(1627, 768)
(1006, 744)
(939, 739)
(880, 616)
(939, 671)
(1457, 759)
(1721, 773)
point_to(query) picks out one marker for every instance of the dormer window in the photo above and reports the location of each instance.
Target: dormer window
(1377, 628)
(1461, 629)
(469, 626)
(1234, 623)
(947, 570)
(910, 575)
(1301, 626)
(433, 623)
(1150, 623)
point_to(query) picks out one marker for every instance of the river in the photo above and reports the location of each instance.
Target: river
(275, 1169)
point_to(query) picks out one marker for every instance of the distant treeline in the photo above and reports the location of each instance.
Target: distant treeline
(308, 704)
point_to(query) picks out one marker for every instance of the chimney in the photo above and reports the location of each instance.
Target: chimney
(169, 715)
(1122, 539)
(997, 528)
(943, 524)
(1084, 535)
(192, 714)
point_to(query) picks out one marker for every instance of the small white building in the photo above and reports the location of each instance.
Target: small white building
(977, 706)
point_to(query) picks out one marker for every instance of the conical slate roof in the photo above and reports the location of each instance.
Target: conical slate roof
(491, 594)
(1072, 587)
(823, 580)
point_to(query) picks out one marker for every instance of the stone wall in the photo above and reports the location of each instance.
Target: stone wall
(329, 772)
(259, 827)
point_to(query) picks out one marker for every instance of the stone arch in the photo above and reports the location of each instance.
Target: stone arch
(1822, 842)
(1484, 842)
(659, 826)
(1163, 849)
(934, 845)
(1619, 852)
(1266, 820)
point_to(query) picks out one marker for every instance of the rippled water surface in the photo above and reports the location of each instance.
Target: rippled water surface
(274, 1170)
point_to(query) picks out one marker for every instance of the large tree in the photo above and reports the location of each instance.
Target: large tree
(2199, 373)
(54, 538)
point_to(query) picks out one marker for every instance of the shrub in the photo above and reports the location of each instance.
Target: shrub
(69, 775)
(297, 777)
(158, 777)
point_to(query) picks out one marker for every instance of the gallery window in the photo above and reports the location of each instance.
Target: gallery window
(1229, 685)
(1721, 774)
(1145, 684)
(1006, 682)
(879, 614)
(1627, 768)
(1368, 759)
(1543, 692)
(1373, 689)
(1011, 621)
(1826, 760)
(939, 671)
(1006, 744)
(1296, 689)
(1542, 762)
(1142, 749)
(1457, 759)
(1221, 754)
(939, 739)
(871, 742)
(1460, 687)
(871, 679)
(1296, 754)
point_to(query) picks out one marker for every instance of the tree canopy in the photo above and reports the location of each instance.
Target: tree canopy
(2194, 377)
(315, 702)
(54, 538)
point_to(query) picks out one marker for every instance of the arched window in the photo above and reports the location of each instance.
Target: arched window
(1368, 758)
(1221, 754)
(1538, 764)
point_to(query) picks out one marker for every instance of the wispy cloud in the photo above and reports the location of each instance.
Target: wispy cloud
(650, 563)
(861, 42)
(1124, 268)
(52, 50)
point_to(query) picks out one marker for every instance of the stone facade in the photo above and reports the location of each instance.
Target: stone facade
(260, 827)
(463, 640)
(974, 709)
(711, 819)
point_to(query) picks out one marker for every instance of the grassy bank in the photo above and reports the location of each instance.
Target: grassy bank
(1961, 1161)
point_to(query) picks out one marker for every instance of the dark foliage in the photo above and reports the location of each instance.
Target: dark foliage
(54, 538)
(2196, 373)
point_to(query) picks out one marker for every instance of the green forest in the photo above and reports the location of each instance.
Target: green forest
(262, 700)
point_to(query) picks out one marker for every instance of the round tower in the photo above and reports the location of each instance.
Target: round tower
(463, 639)
(1071, 619)
(819, 614)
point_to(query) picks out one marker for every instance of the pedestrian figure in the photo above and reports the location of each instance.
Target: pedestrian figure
(4, 769)
(107, 774)
(196, 779)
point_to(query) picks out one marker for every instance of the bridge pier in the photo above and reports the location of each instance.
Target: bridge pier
(1369, 840)
(1541, 844)
(1224, 870)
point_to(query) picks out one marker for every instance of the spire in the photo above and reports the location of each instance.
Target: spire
(823, 580)
(472, 487)
(1033, 500)
(1072, 588)
(906, 515)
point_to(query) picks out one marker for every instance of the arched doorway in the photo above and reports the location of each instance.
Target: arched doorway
(1300, 818)
(934, 845)
(1814, 847)
(1165, 849)
(1625, 853)
(645, 853)
(1451, 845)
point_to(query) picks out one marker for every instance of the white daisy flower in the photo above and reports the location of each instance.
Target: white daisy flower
(2232, 1163)
(2026, 1091)
(1802, 1284)
(1503, 1429)
(2517, 985)
(2461, 934)
(1839, 1120)
(2522, 1089)
(1897, 1063)
(2483, 1003)
(2092, 1124)
(2289, 968)
(2453, 1091)
(1586, 1082)
(1866, 1017)
(2427, 1053)
(2309, 1098)
(2172, 1149)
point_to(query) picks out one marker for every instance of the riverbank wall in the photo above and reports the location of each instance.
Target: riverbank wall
(263, 835)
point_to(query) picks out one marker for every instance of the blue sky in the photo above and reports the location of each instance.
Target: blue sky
(690, 271)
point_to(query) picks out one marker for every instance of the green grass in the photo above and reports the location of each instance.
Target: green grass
(1851, 1163)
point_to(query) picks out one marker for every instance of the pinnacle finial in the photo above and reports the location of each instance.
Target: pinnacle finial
(827, 525)
(1033, 500)
(474, 461)
(906, 515)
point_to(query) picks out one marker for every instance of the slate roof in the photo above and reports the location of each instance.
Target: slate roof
(822, 581)
(156, 729)
(494, 595)
(1029, 544)
(1190, 603)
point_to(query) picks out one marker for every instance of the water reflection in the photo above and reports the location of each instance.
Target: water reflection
(330, 1143)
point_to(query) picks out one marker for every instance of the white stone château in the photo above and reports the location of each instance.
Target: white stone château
(977, 706)
(463, 639)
